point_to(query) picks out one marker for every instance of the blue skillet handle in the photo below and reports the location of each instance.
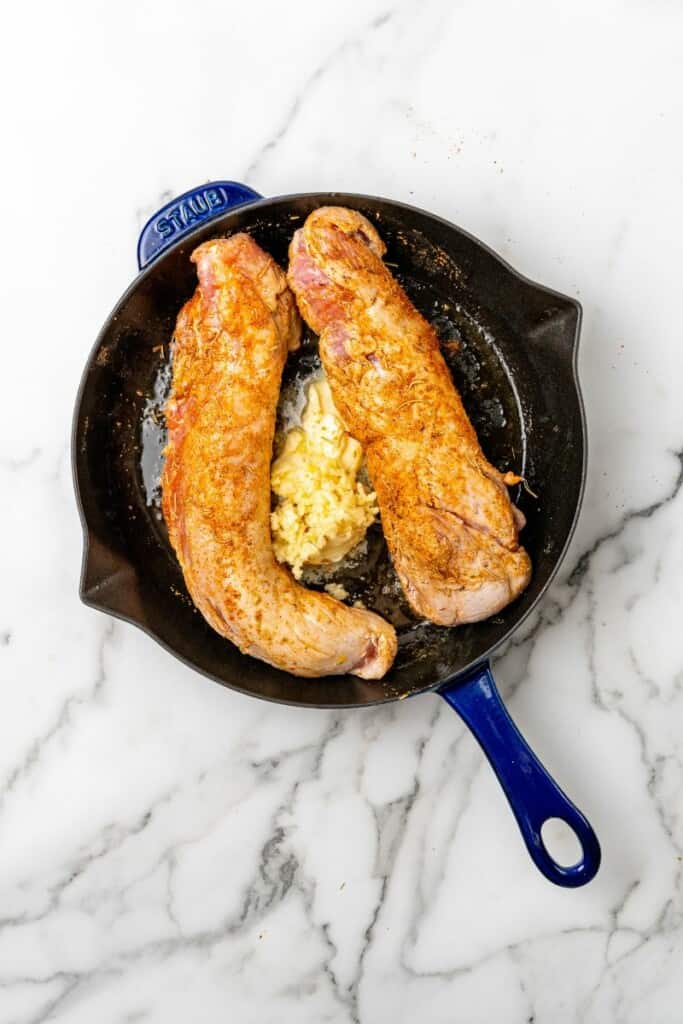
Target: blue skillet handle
(185, 213)
(531, 793)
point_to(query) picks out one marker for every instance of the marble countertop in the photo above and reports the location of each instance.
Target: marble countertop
(171, 851)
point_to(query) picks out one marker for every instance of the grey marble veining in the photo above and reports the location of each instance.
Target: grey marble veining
(172, 852)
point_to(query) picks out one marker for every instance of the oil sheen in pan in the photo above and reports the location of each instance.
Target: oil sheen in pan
(484, 382)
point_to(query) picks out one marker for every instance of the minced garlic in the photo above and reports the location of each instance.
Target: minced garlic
(323, 509)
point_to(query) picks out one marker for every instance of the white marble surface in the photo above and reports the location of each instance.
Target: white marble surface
(173, 852)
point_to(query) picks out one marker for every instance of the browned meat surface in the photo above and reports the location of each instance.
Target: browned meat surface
(446, 513)
(231, 342)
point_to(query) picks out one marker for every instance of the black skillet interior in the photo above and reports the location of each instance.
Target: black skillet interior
(511, 347)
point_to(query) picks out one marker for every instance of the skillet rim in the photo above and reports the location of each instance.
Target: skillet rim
(325, 198)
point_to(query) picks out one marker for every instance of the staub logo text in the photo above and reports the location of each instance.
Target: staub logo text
(194, 208)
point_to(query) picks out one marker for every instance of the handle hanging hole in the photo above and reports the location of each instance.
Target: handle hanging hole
(561, 842)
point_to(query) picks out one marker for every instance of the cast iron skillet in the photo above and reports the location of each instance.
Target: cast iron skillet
(511, 346)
